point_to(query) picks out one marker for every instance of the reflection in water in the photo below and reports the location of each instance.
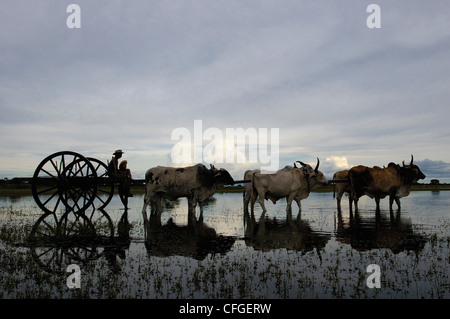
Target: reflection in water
(195, 240)
(56, 242)
(134, 265)
(268, 234)
(375, 232)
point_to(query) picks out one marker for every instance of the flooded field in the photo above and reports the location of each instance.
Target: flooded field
(318, 254)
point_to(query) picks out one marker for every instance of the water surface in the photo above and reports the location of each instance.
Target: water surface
(318, 254)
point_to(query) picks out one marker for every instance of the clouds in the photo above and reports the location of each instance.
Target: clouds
(137, 70)
(435, 169)
(339, 162)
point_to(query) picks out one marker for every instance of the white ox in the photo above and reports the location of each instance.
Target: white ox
(294, 184)
(249, 185)
(197, 183)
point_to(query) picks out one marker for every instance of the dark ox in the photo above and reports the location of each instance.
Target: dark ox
(343, 187)
(294, 184)
(197, 183)
(394, 180)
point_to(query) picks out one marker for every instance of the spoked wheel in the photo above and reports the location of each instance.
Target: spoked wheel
(70, 228)
(64, 181)
(58, 242)
(105, 184)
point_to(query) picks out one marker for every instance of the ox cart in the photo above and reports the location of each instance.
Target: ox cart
(72, 191)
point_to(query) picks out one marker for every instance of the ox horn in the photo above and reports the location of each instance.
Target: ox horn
(301, 163)
(412, 158)
(317, 166)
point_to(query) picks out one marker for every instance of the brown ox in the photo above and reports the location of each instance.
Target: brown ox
(340, 188)
(394, 180)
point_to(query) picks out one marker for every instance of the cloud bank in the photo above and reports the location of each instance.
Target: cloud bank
(137, 70)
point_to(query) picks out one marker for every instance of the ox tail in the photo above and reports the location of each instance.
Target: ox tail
(253, 183)
(354, 182)
(254, 192)
(349, 180)
(148, 176)
(334, 186)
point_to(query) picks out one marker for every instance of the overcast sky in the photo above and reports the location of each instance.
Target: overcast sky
(137, 70)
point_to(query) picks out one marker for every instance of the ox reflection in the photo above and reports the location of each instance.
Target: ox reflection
(196, 183)
(195, 240)
(291, 234)
(368, 232)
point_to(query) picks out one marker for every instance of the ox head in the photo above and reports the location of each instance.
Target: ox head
(306, 168)
(221, 176)
(314, 176)
(412, 172)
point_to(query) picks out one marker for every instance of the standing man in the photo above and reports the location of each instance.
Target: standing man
(113, 166)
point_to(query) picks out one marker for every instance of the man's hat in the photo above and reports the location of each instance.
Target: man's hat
(118, 152)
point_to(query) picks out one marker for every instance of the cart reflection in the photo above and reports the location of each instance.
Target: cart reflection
(56, 242)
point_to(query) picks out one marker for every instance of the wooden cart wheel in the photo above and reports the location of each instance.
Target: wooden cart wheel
(64, 181)
(96, 214)
(105, 184)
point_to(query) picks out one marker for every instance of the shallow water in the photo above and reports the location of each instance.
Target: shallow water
(318, 254)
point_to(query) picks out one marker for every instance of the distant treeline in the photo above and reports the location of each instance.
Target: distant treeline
(22, 186)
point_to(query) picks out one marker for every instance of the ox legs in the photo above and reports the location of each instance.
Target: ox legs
(391, 202)
(144, 208)
(289, 200)
(192, 204)
(247, 197)
(377, 202)
(260, 200)
(338, 201)
(155, 202)
(299, 205)
(200, 204)
(350, 200)
(156, 206)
